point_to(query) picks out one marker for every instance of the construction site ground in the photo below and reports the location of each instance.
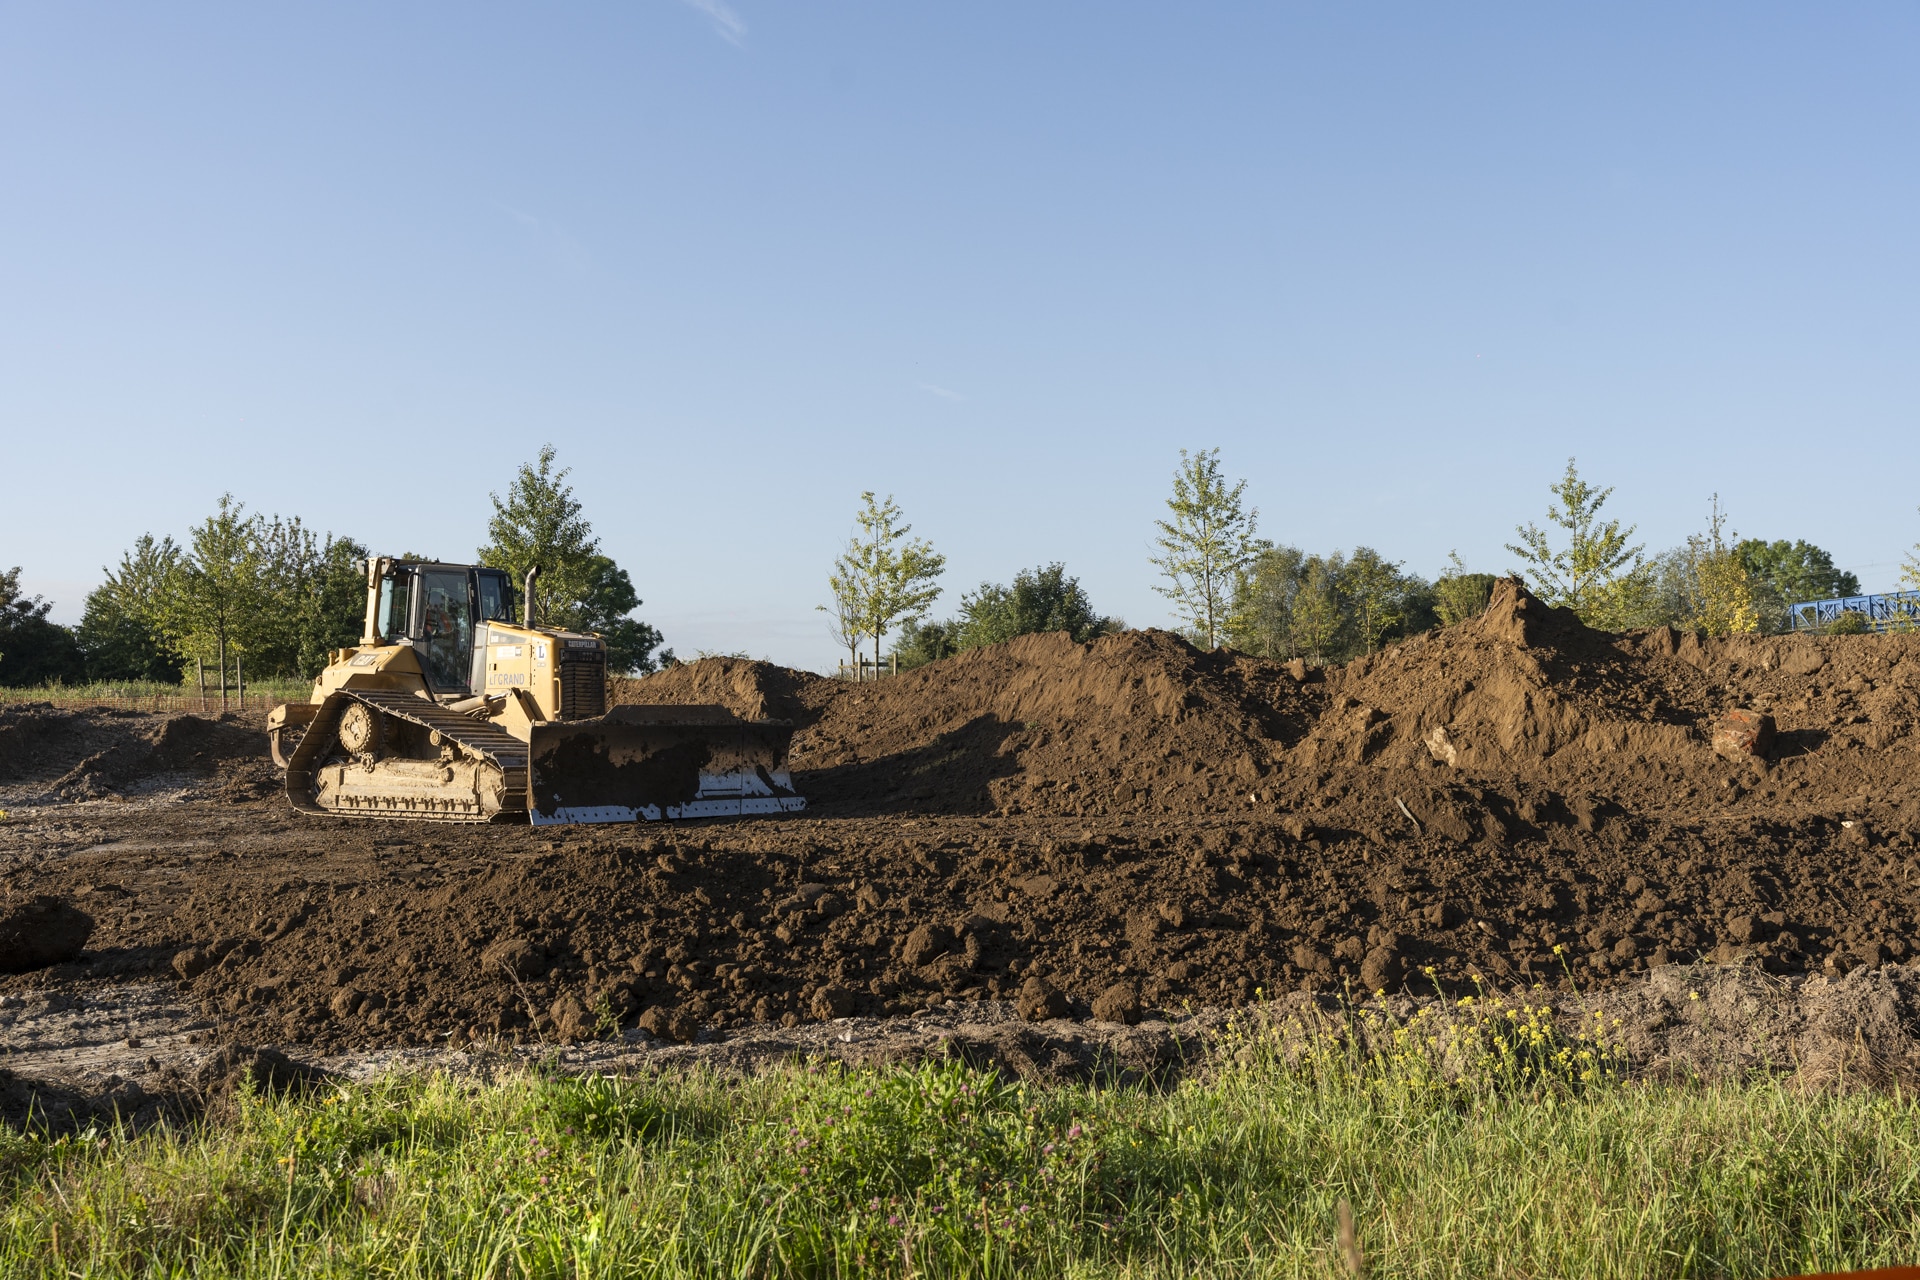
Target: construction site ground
(1063, 858)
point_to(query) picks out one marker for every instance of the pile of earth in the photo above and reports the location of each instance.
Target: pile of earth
(1121, 825)
(1521, 712)
(50, 755)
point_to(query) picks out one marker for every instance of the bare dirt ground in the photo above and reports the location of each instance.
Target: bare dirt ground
(1027, 836)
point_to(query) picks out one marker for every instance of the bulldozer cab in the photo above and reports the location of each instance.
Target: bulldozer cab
(437, 609)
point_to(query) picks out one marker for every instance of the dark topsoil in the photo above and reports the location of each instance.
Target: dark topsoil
(1132, 813)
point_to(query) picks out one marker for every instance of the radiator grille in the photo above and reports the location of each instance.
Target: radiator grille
(583, 683)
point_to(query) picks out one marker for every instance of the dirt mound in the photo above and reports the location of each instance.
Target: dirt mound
(754, 690)
(1037, 724)
(91, 753)
(41, 931)
(1562, 724)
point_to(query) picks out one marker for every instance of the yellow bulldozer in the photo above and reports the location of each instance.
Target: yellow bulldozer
(449, 710)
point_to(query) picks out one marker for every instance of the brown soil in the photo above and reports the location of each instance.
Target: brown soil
(1187, 827)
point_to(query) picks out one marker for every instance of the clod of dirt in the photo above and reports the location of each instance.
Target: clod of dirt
(191, 962)
(225, 1071)
(1380, 970)
(41, 931)
(571, 1018)
(676, 1025)
(1039, 1000)
(1118, 1003)
(925, 943)
(1743, 735)
(832, 1001)
(518, 957)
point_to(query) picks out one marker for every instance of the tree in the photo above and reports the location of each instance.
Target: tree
(313, 596)
(890, 577)
(578, 587)
(1327, 608)
(33, 651)
(1458, 595)
(1721, 599)
(922, 642)
(1792, 572)
(330, 608)
(1263, 615)
(609, 600)
(1206, 548)
(844, 614)
(122, 634)
(215, 601)
(1376, 591)
(1320, 613)
(1043, 598)
(1597, 574)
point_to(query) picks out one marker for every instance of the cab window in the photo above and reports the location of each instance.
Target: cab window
(393, 605)
(495, 602)
(446, 628)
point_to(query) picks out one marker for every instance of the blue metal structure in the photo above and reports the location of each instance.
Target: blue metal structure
(1887, 612)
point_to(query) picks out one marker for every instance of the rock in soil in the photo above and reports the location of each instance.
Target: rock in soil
(1743, 735)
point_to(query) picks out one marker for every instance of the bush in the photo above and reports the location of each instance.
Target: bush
(1461, 597)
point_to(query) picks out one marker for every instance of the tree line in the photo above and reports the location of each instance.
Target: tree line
(1228, 586)
(273, 595)
(1276, 600)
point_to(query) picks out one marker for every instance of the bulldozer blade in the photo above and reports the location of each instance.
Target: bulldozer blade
(643, 763)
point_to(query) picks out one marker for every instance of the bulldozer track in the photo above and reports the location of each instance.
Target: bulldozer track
(478, 739)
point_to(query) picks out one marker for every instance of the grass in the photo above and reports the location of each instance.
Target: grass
(1488, 1147)
(148, 695)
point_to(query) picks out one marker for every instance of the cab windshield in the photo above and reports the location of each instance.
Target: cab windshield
(446, 627)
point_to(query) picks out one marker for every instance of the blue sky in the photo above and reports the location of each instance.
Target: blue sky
(740, 262)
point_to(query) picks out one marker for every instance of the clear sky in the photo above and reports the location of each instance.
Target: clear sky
(741, 261)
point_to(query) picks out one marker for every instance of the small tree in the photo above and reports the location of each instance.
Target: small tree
(540, 523)
(1722, 599)
(891, 577)
(313, 596)
(1459, 595)
(844, 614)
(216, 601)
(579, 588)
(1207, 545)
(1597, 574)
